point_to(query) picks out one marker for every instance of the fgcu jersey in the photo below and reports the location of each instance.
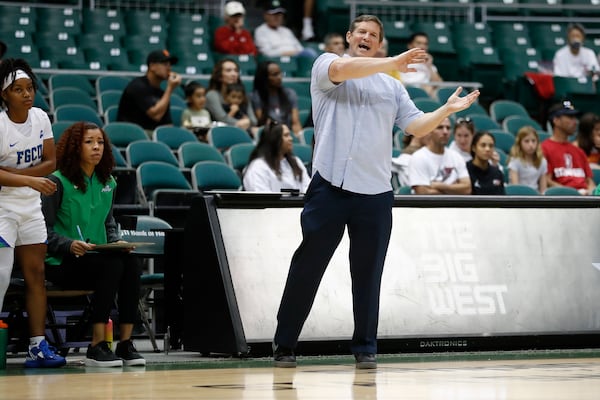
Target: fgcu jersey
(22, 146)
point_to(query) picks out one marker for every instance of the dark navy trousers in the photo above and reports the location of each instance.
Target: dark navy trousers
(327, 211)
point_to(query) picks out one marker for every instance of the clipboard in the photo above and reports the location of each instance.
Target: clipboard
(121, 246)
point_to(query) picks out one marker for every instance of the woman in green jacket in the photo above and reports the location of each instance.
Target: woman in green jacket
(78, 218)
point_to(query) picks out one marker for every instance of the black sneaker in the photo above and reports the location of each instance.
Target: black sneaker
(101, 355)
(283, 357)
(127, 351)
(365, 361)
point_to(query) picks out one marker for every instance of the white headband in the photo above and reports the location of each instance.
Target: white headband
(18, 74)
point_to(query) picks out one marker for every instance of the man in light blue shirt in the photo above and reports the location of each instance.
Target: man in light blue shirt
(355, 106)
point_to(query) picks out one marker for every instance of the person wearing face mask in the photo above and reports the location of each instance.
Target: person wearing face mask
(574, 59)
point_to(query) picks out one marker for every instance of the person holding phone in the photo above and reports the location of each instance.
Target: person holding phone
(144, 102)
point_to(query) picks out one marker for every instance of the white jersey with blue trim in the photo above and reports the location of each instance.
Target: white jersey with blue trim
(22, 146)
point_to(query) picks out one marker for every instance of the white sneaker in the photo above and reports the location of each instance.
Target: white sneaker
(307, 32)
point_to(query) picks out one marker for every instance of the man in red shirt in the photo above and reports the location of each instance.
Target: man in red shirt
(567, 164)
(232, 38)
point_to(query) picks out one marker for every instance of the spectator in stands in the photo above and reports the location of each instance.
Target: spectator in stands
(334, 43)
(588, 138)
(272, 165)
(225, 72)
(425, 73)
(79, 219)
(401, 164)
(486, 178)
(196, 117)
(236, 104)
(567, 163)
(143, 101)
(526, 163)
(273, 39)
(435, 169)
(26, 155)
(464, 130)
(233, 38)
(271, 100)
(574, 59)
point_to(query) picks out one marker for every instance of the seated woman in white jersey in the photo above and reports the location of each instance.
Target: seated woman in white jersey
(273, 165)
(26, 156)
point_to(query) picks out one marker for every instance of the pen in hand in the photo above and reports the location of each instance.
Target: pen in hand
(80, 234)
(82, 239)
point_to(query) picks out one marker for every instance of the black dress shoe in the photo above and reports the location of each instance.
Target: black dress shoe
(365, 361)
(283, 357)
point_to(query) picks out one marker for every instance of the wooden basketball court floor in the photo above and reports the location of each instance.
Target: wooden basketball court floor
(479, 376)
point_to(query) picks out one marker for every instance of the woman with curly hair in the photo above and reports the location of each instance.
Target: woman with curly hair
(79, 216)
(26, 156)
(272, 164)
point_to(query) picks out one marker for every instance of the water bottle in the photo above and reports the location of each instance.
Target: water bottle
(108, 333)
(3, 343)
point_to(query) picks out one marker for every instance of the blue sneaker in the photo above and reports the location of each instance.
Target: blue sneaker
(43, 356)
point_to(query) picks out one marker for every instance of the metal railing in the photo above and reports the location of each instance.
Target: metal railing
(472, 12)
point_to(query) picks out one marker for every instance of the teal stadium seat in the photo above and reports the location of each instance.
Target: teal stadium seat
(176, 113)
(561, 191)
(483, 122)
(69, 80)
(301, 87)
(103, 21)
(40, 102)
(142, 151)
(156, 178)
(582, 93)
(212, 175)
(71, 96)
(121, 134)
(110, 114)
(111, 82)
(308, 135)
(504, 140)
(189, 153)
(173, 136)
(514, 189)
(237, 156)
(304, 152)
(513, 123)
(223, 137)
(500, 109)
(108, 98)
(58, 127)
(74, 112)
